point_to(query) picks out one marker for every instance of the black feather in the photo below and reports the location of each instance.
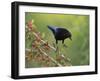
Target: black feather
(60, 33)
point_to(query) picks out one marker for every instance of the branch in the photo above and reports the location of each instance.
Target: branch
(50, 57)
(43, 41)
(34, 32)
(53, 60)
(51, 48)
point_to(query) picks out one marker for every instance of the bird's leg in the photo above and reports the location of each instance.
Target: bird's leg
(63, 43)
(56, 41)
(57, 45)
(57, 48)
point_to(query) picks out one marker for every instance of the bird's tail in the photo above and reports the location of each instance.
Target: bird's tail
(53, 29)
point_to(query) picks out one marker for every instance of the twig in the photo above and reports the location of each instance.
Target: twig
(53, 60)
(43, 41)
(50, 57)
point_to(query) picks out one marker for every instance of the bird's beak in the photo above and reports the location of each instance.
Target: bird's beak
(70, 38)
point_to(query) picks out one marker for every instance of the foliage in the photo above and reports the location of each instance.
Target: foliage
(38, 37)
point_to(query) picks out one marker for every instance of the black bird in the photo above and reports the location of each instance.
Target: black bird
(60, 33)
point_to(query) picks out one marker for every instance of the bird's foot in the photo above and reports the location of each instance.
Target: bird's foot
(56, 49)
(65, 45)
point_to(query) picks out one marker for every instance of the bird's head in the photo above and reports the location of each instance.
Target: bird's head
(70, 38)
(68, 35)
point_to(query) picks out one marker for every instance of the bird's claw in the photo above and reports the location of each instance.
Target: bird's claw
(56, 49)
(65, 45)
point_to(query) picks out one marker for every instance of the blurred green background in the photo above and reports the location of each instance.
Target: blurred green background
(78, 25)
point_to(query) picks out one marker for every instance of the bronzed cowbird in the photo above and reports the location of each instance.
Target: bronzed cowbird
(60, 33)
